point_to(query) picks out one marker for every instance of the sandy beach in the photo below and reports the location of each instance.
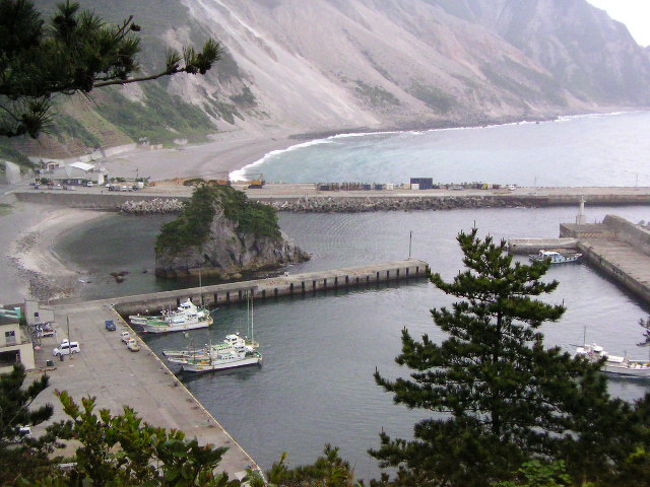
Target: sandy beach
(226, 152)
(32, 269)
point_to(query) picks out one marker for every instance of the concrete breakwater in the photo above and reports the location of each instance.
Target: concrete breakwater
(287, 285)
(358, 205)
(297, 198)
(155, 206)
(618, 248)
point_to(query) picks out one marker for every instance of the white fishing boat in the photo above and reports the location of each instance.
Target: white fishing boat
(187, 316)
(235, 351)
(223, 359)
(555, 257)
(231, 341)
(615, 364)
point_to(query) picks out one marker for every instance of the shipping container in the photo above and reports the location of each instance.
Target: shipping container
(423, 183)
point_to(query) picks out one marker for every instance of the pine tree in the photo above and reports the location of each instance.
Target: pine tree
(76, 52)
(19, 453)
(501, 396)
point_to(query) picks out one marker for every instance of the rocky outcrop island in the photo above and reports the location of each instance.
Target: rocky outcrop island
(223, 234)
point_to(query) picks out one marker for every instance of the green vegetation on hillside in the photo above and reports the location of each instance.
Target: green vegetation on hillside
(376, 95)
(192, 227)
(162, 118)
(433, 97)
(77, 51)
(10, 154)
(64, 125)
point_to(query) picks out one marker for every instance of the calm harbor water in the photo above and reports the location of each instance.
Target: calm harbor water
(589, 150)
(320, 352)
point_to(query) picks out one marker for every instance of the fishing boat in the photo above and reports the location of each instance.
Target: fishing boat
(227, 358)
(555, 257)
(187, 316)
(235, 351)
(231, 341)
(614, 364)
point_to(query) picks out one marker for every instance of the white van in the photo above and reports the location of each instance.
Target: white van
(66, 348)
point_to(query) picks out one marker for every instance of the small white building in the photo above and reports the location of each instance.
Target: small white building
(78, 173)
(15, 345)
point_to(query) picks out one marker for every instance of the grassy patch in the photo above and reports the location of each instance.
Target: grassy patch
(433, 97)
(5, 209)
(8, 153)
(163, 118)
(376, 95)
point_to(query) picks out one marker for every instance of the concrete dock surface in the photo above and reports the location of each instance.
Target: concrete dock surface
(106, 369)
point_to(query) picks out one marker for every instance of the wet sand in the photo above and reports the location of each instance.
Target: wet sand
(31, 268)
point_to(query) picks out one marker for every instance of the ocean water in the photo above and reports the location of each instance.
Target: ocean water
(320, 352)
(588, 150)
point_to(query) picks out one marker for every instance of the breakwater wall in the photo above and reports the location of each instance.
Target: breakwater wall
(618, 268)
(341, 202)
(619, 249)
(377, 203)
(524, 246)
(287, 285)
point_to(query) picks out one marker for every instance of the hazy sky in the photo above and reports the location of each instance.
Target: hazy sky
(635, 14)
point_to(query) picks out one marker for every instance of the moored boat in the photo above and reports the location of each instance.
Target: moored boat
(187, 316)
(555, 257)
(614, 364)
(223, 359)
(231, 341)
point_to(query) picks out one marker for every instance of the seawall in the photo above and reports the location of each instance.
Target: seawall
(618, 248)
(304, 198)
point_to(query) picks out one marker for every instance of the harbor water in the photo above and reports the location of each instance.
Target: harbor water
(320, 352)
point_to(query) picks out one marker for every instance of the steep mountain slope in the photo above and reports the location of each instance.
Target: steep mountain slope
(328, 65)
(586, 51)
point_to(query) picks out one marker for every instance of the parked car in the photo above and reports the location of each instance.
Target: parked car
(110, 325)
(66, 348)
(132, 345)
(125, 336)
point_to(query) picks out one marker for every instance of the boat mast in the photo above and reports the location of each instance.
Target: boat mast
(252, 318)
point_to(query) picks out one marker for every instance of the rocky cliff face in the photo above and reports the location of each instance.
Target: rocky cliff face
(229, 243)
(327, 65)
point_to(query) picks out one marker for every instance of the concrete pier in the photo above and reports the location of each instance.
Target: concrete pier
(524, 246)
(288, 285)
(106, 369)
(618, 248)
